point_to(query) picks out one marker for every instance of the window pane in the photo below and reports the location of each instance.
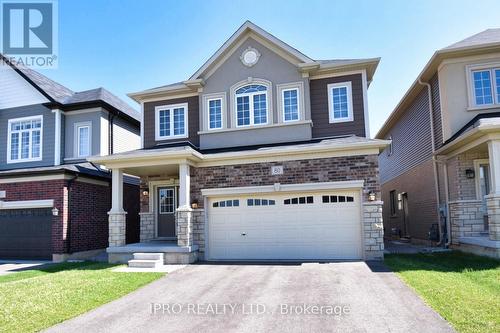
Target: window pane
(243, 110)
(14, 146)
(166, 200)
(35, 144)
(251, 88)
(290, 106)
(25, 144)
(259, 109)
(497, 78)
(482, 87)
(339, 100)
(84, 141)
(164, 123)
(179, 121)
(215, 113)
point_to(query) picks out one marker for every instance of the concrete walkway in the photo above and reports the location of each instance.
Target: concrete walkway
(333, 297)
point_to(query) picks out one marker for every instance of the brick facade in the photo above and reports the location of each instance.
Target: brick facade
(294, 172)
(82, 206)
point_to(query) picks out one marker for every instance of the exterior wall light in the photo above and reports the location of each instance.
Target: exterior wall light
(371, 196)
(145, 193)
(55, 211)
(470, 174)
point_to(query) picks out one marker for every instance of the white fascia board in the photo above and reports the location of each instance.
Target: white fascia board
(278, 188)
(27, 204)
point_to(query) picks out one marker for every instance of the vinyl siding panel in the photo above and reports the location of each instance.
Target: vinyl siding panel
(47, 140)
(436, 112)
(193, 121)
(125, 136)
(319, 108)
(411, 140)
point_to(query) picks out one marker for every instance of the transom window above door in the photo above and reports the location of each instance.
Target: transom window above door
(24, 139)
(171, 121)
(252, 105)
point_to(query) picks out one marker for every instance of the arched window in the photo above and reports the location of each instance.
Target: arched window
(251, 105)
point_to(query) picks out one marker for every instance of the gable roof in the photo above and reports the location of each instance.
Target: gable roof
(60, 95)
(487, 41)
(303, 62)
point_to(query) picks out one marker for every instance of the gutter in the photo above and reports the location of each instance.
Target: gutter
(434, 162)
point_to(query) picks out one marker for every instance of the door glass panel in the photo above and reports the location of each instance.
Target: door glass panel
(484, 181)
(166, 200)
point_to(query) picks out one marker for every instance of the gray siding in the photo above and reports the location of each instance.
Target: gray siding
(270, 66)
(256, 136)
(411, 140)
(47, 136)
(319, 108)
(193, 119)
(125, 136)
(69, 132)
(436, 112)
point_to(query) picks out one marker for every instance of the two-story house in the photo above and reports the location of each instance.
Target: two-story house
(443, 166)
(53, 203)
(263, 153)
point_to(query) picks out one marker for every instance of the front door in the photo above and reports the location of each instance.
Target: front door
(166, 211)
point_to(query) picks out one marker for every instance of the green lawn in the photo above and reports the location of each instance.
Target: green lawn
(33, 300)
(463, 288)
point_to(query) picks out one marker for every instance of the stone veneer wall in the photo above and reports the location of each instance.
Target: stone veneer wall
(199, 230)
(493, 203)
(466, 218)
(147, 228)
(373, 230)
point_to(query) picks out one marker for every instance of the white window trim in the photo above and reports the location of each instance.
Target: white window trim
(222, 110)
(269, 101)
(76, 145)
(251, 109)
(350, 114)
(9, 131)
(477, 164)
(171, 107)
(299, 87)
(491, 67)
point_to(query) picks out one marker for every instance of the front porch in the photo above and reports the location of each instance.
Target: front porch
(470, 168)
(172, 252)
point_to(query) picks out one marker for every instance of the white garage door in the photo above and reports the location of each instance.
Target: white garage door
(286, 226)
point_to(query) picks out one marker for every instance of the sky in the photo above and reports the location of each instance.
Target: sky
(132, 45)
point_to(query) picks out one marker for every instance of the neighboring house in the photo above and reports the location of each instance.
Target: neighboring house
(443, 166)
(53, 203)
(262, 154)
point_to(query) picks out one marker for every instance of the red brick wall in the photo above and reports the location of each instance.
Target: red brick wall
(43, 190)
(88, 213)
(301, 171)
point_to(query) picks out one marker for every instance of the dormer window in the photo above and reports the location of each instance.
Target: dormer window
(251, 105)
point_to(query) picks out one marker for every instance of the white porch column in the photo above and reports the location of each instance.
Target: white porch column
(184, 186)
(494, 154)
(493, 199)
(117, 216)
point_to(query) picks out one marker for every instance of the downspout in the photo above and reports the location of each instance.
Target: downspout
(68, 231)
(434, 163)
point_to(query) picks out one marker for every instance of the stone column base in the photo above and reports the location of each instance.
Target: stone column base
(466, 219)
(373, 230)
(184, 226)
(117, 231)
(493, 205)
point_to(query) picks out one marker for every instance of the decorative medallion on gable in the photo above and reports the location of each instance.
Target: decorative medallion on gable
(250, 57)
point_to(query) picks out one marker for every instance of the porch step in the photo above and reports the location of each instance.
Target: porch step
(146, 260)
(135, 263)
(148, 256)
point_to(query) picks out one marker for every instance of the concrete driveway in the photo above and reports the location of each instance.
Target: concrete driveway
(333, 297)
(14, 266)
